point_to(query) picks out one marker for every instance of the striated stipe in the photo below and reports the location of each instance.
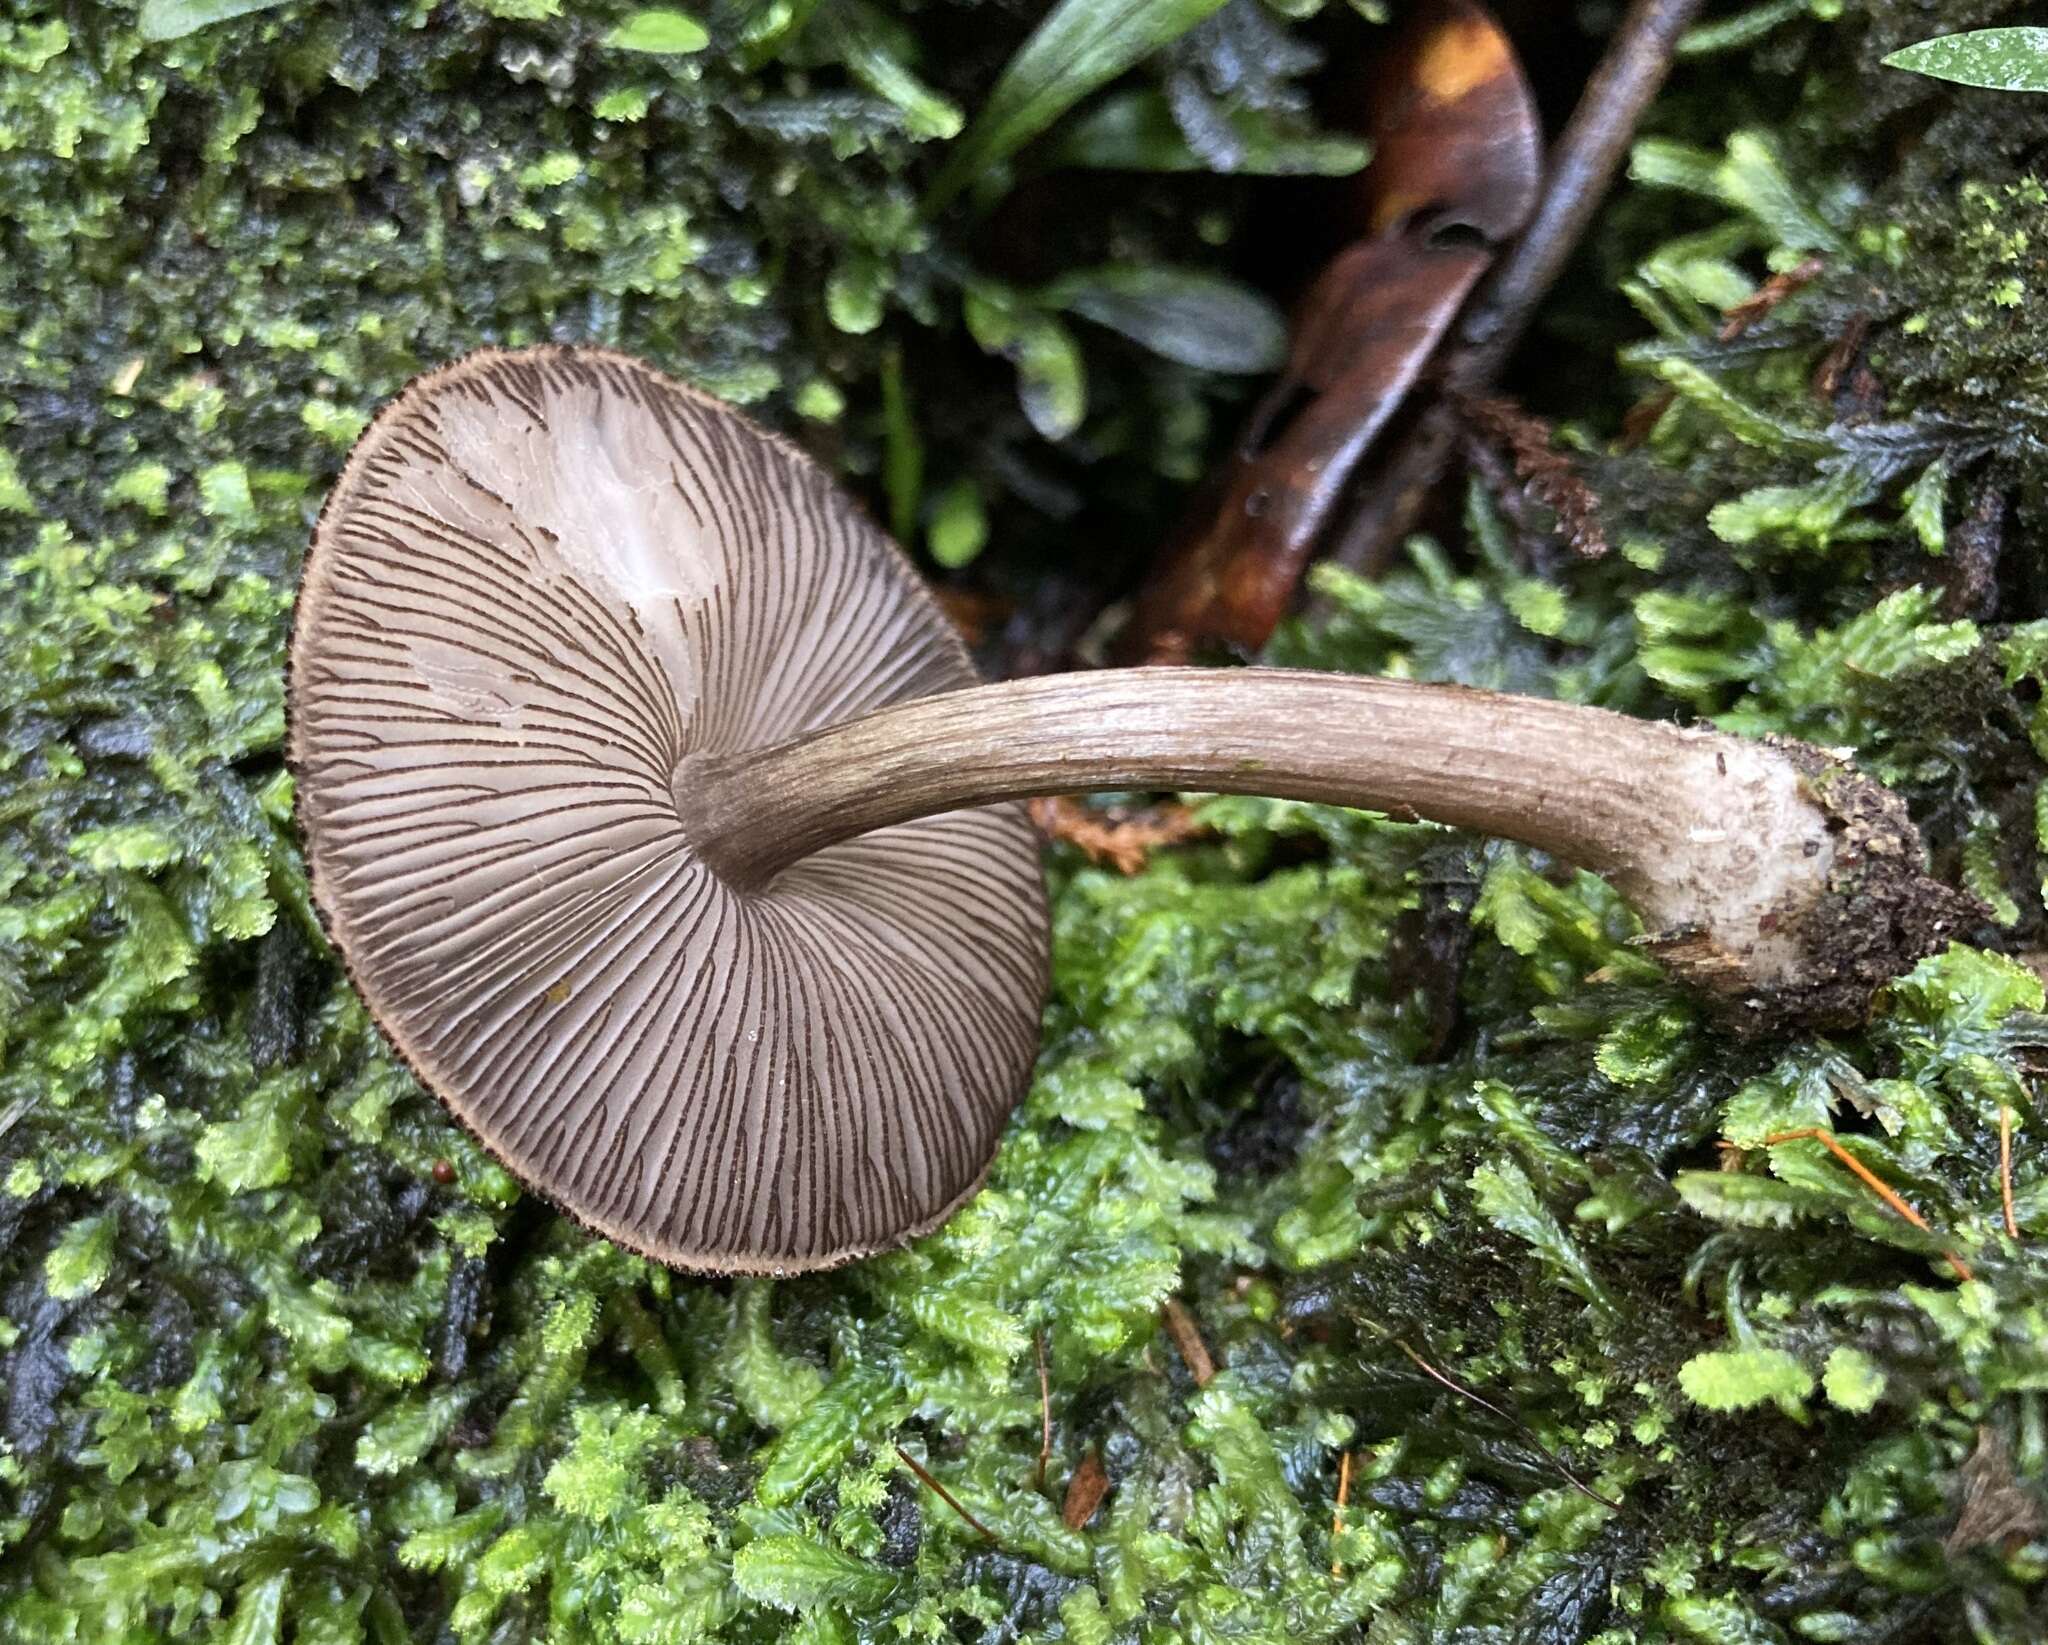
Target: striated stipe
(544, 581)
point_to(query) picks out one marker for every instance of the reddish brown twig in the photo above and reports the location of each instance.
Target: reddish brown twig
(944, 1495)
(2012, 1221)
(1871, 1180)
(1187, 1337)
(1044, 1409)
(1085, 1492)
(1125, 840)
(1337, 1518)
(1739, 317)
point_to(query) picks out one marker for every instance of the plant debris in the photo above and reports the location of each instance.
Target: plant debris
(1456, 165)
(1997, 1507)
(947, 1497)
(1549, 475)
(1187, 1340)
(1870, 1179)
(1085, 1491)
(1118, 838)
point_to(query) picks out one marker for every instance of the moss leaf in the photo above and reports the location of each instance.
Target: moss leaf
(79, 1263)
(1182, 314)
(1510, 1200)
(1747, 1202)
(138, 845)
(1736, 1379)
(1851, 1379)
(661, 31)
(794, 1573)
(259, 1612)
(1052, 383)
(959, 528)
(251, 1152)
(1135, 131)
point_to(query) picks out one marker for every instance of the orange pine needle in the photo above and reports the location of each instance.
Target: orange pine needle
(1337, 1519)
(2012, 1221)
(1871, 1180)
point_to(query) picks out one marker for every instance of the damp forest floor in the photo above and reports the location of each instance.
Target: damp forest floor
(1385, 1251)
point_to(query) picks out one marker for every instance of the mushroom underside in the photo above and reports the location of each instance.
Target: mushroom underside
(544, 581)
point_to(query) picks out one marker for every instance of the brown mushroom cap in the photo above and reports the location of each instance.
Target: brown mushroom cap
(544, 581)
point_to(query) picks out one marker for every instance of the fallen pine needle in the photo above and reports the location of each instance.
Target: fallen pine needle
(944, 1495)
(1337, 1519)
(2012, 1221)
(1550, 1456)
(1871, 1180)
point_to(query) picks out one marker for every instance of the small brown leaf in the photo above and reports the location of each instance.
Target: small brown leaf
(1085, 1492)
(1737, 319)
(972, 613)
(1759, 303)
(1996, 1506)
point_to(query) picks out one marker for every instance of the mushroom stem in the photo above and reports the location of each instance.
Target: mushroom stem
(1770, 874)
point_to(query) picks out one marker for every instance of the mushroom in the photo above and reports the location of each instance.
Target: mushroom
(657, 815)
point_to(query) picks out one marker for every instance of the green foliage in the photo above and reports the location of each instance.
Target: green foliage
(1052, 384)
(1080, 46)
(1180, 314)
(169, 19)
(1852, 1379)
(1742, 1377)
(1505, 1197)
(660, 32)
(1136, 131)
(2000, 59)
